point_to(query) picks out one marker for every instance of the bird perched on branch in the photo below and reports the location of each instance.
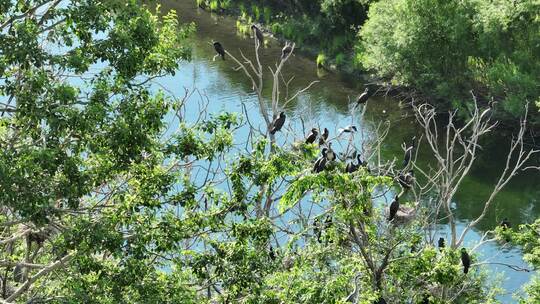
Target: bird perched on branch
(324, 137)
(287, 49)
(352, 167)
(465, 260)
(320, 163)
(258, 34)
(277, 124)
(441, 243)
(330, 154)
(312, 136)
(362, 99)
(394, 207)
(219, 49)
(406, 180)
(347, 129)
(505, 224)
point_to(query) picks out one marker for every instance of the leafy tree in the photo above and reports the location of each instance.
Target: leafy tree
(447, 48)
(528, 236)
(114, 192)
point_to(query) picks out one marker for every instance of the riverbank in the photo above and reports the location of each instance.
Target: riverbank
(353, 44)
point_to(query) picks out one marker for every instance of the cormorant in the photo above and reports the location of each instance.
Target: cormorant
(505, 224)
(219, 49)
(406, 180)
(441, 243)
(258, 34)
(394, 207)
(272, 254)
(348, 129)
(277, 124)
(362, 98)
(465, 260)
(330, 155)
(320, 163)
(352, 167)
(312, 136)
(287, 49)
(409, 152)
(324, 137)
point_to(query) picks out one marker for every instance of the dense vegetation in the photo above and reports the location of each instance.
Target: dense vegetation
(441, 49)
(113, 191)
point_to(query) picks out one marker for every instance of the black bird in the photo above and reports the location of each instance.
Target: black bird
(409, 152)
(258, 34)
(505, 224)
(272, 254)
(394, 207)
(406, 180)
(347, 129)
(320, 163)
(312, 136)
(352, 167)
(465, 260)
(441, 243)
(362, 98)
(277, 124)
(287, 49)
(330, 155)
(219, 49)
(324, 137)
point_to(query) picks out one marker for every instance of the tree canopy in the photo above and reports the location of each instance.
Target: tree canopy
(114, 191)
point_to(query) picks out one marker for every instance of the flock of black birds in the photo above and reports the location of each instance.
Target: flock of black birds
(285, 51)
(405, 177)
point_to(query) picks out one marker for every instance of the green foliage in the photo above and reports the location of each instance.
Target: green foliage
(321, 60)
(447, 48)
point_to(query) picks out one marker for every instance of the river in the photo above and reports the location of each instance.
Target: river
(326, 105)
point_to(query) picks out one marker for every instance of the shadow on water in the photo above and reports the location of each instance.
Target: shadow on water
(326, 105)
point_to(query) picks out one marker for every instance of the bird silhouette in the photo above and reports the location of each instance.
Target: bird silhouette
(441, 243)
(272, 254)
(505, 224)
(312, 136)
(465, 260)
(330, 155)
(320, 163)
(362, 99)
(394, 207)
(406, 180)
(324, 137)
(287, 49)
(277, 124)
(258, 34)
(219, 49)
(347, 129)
(409, 151)
(352, 167)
